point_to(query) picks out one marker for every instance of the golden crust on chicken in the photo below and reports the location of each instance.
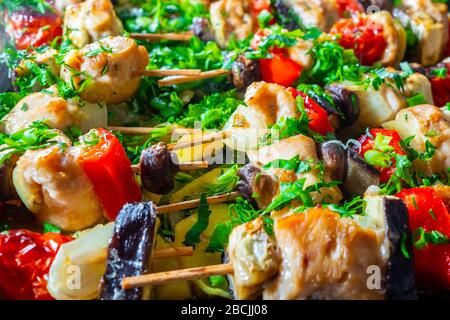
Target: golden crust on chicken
(91, 21)
(111, 68)
(323, 256)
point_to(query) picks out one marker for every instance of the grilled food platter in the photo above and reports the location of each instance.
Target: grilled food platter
(255, 149)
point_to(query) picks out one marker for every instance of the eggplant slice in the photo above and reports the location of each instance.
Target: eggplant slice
(130, 250)
(389, 215)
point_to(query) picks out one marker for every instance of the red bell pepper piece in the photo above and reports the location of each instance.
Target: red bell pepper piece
(368, 143)
(25, 260)
(279, 69)
(427, 209)
(30, 29)
(365, 38)
(441, 87)
(109, 169)
(318, 117)
(347, 8)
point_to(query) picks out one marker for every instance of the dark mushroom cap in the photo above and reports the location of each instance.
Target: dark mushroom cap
(158, 167)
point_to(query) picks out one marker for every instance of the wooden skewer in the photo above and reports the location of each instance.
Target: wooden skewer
(170, 72)
(173, 252)
(200, 140)
(177, 275)
(168, 81)
(148, 130)
(190, 204)
(184, 166)
(162, 36)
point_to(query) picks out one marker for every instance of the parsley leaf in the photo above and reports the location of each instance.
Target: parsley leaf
(193, 235)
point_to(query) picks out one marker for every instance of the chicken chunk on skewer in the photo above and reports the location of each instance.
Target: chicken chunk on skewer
(324, 256)
(91, 21)
(106, 71)
(431, 131)
(52, 184)
(56, 112)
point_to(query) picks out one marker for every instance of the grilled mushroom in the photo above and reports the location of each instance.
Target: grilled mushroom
(244, 72)
(158, 167)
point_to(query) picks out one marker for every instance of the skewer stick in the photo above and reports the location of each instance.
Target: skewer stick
(177, 275)
(168, 81)
(190, 204)
(170, 72)
(162, 36)
(184, 166)
(200, 140)
(173, 252)
(148, 130)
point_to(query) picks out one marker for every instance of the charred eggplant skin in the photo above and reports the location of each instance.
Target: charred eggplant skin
(347, 102)
(130, 250)
(244, 72)
(201, 28)
(158, 167)
(285, 15)
(343, 164)
(401, 278)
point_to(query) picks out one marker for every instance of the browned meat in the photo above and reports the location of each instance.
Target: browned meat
(324, 257)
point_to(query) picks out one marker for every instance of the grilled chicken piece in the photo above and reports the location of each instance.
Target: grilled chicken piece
(231, 18)
(300, 53)
(418, 83)
(425, 123)
(111, 66)
(91, 21)
(429, 22)
(253, 255)
(254, 181)
(62, 5)
(48, 57)
(316, 13)
(395, 37)
(286, 149)
(272, 101)
(324, 257)
(55, 111)
(52, 185)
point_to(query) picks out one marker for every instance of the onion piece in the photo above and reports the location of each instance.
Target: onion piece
(79, 265)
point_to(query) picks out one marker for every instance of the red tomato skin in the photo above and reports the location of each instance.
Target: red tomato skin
(441, 88)
(109, 169)
(30, 29)
(365, 39)
(432, 263)
(25, 260)
(318, 117)
(367, 143)
(280, 69)
(348, 7)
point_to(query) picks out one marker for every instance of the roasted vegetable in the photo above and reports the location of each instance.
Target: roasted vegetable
(25, 259)
(84, 256)
(244, 72)
(158, 167)
(7, 190)
(343, 164)
(201, 28)
(388, 216)
(130, 250)
(256, 186)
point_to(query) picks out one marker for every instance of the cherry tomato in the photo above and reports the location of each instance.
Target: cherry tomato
(365, 38)
(109, 169)
(428, 210)
(347, 8)
(30, 29)
(256, 6)
(25, 260)
(318, 117)
(368, 143)
(280, 69)
(441, 87)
